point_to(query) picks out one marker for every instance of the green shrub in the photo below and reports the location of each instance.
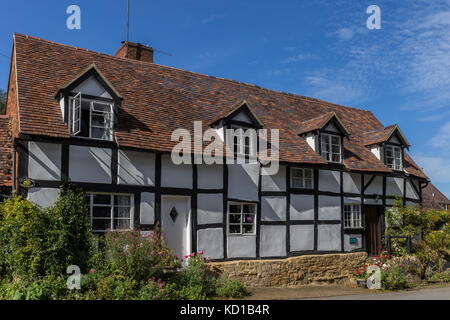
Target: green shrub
(230, 287)
(70, 237)
(46, 288)
(137, 256)
(396, 278)
(440, 277)
(23, 237)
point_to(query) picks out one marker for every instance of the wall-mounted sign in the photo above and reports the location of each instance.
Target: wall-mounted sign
(353, 241)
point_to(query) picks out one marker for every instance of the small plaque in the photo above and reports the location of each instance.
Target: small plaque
(353, 240)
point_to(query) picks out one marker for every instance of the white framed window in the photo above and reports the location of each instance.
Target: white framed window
(302, 178)
(331, 147)
(241, 218)
(110, 212)
(394, 157)
(244, 142)
(352, 216)
(91, 118)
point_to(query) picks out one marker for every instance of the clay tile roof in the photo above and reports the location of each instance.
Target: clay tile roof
(5, 152)
(228, 111)
(432, 198)
(159, 99)
(319, 123)
(382, 135)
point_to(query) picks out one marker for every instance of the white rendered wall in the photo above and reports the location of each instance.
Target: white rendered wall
(44, 197)
(311, 140)
(89, 164)
(175, 176)
(273, 208)
(302, 237)
(136, 168)
(93, 88)
(352, 200)
(210, 176)
(352, 182)
(350, 247)
(44, 161)
(243, 181)
(329, 181)
(329, 208)
(241, 246)
(329, 237)
(276, 182)
(331, 127)
(211, 242)
(410, 191)
(394, 186)
(147, 208)
(411, 204)
(272, 241)
(376, 150)
(375, 187)
(302, 207)
(209, 208)
(61, 106)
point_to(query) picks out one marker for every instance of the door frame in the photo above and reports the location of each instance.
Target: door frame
(189, 214)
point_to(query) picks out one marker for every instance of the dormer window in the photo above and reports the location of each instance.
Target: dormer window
(325, 135)
(88, 105)
(393, 157)
(244, 142)
(91, 118)
(331, 147)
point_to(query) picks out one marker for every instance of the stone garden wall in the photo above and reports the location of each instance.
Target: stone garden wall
(294, 271)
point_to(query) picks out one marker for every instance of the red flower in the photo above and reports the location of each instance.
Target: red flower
(378, 257)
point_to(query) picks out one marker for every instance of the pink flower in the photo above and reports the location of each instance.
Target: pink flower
(200, 252)
(160, 253)
(92, 270)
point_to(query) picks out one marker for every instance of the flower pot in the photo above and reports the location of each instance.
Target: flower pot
(361, 283)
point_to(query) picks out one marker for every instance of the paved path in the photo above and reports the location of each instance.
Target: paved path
(347, 293)
(420, 294)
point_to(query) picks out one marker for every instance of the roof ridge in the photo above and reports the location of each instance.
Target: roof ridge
(150, 64)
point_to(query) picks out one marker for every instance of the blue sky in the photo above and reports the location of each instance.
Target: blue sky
(315, 48)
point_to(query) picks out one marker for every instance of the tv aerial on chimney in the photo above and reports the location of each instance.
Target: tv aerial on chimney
(128, 31)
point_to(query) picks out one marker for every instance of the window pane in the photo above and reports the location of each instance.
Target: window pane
(102, 199)
(308, 184)
(101, 212)
(248, 228)
(235, 229)
(249, 218)
(308, 174)
(336, 158)
(122, 201)
(335, 140)
(122, 224)
(249, 208)
(101, 224)
(336, 149)
(121, 212)
(235, 218)
(100, 107)
(98, 133)
(235, 208)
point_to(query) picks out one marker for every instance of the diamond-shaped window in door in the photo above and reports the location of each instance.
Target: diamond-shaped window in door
(173, 214)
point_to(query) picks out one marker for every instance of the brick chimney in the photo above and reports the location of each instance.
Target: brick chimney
(135, 51)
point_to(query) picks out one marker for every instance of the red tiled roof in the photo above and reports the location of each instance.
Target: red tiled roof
(319, 123)
(382, 135)
(159, 99)
(432, 198)
(5, 152)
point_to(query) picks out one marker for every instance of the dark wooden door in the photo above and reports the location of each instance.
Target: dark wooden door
(372, 216)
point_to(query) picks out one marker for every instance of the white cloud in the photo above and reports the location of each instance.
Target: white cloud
(436, 168)
(345, 33)
(298, 57)
(442, 138)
